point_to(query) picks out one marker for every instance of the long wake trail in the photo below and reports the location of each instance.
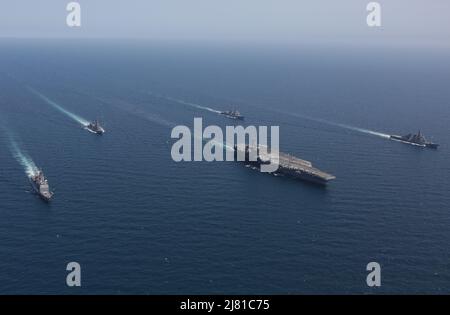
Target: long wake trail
(21, 156)
(154, 118)
(367, 131)
(75, 117)
(176, 100)
(331, 123)
(345, 126)
(135, 110)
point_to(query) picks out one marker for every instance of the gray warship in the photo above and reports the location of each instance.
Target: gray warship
(289, 165)
(95, 127)
(417, 139)
(233, 114)
(40, 185)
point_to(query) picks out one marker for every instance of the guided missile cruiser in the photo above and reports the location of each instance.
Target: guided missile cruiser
(417, 140)
(40, 185)
(95, 127)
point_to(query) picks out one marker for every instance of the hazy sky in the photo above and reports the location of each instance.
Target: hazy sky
(243, 20)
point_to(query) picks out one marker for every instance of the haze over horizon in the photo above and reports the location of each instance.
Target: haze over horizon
(289, 21)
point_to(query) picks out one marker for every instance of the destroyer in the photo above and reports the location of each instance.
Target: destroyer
(95, 127)
(288, 165)
(417, 139)
(40, 186)
(233, 114)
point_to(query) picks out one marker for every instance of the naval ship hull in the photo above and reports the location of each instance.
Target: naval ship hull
(401, 139)
(292, 167)
(38, 192)
(294, 174)
(232, 116)
(98, 132)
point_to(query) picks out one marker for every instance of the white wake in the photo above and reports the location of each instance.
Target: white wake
(194, 105)
(23, 158)
(75, 117)
(345, 126)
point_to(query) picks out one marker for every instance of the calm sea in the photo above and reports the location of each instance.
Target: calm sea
(137, 222)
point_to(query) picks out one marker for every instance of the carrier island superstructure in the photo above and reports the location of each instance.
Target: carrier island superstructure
(288, 165)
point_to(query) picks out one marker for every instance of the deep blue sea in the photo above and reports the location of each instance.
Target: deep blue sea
(140, 223)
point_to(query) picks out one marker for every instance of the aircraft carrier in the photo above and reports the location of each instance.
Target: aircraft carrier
(288, 165)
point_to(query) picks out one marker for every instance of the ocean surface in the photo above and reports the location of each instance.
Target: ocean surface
(139, 223)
